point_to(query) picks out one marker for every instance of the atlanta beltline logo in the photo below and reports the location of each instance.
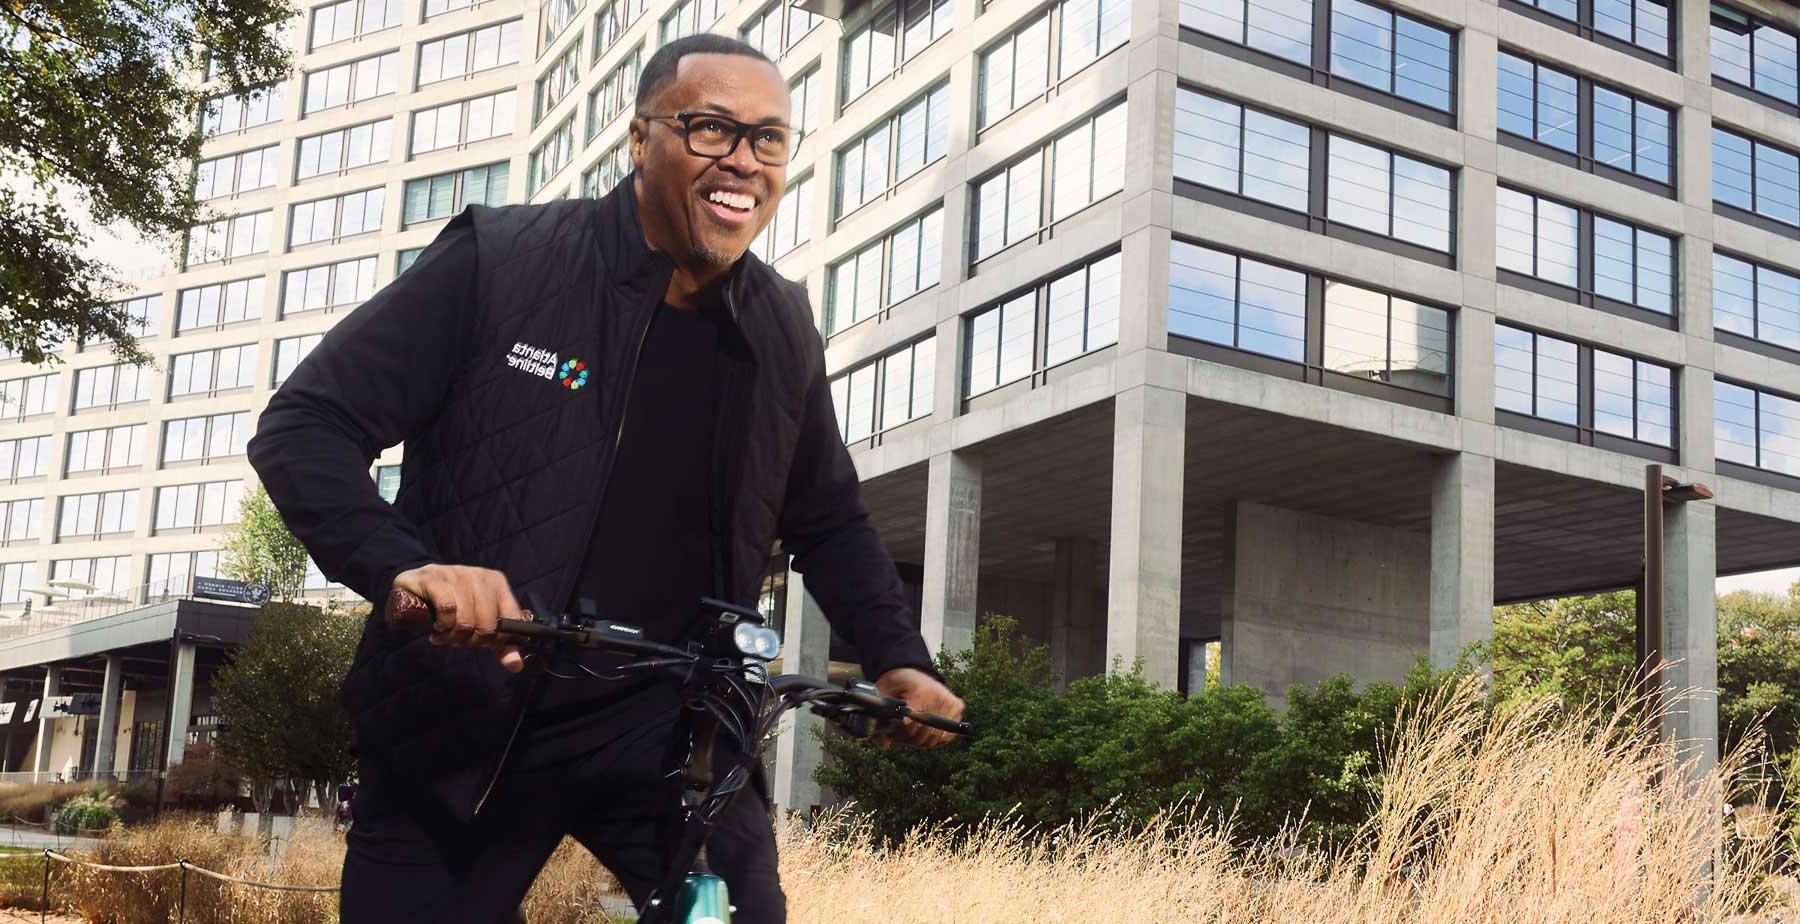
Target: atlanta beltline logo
(543, 363)
(574, 374)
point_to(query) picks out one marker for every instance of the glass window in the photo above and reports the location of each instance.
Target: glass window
(231, 113)
(236, 173)
(185, 506)
(351, 82)
(222, 303)
(337, 217)
(1756, 428)
(347, 282)
(143, 319)
(1632, 135)
(1225, 299)
(1392, 53)
(791, 225)
(556, 83)
(28, 457)
(343, 149)
(1089, 163)
(1538, 102)
(1091, 28)
(21, 519)
(469, 52)
(197, 438)
(1378, 337)
(1756, 176)
(895, 34)
(441, 196)
(1009, 206)
(109, 575)
(29, 396)
(97, 514)
(289, 351)
(1633, 398)
(616, 92)
(907, 378)
(1537, 237)
(552, 154)
(1082, 310)
(1015, 71)
(107, 386)
(1644, 23)
(1388, 194)
(228, 238)
(555, 15)
(207, 371)
(1000, 344)
(337, 22)
(778, 28)
(106, 448)
(613, 167)
(1280, 27)
(1244, 151)
(807, 95)
(1756, 301)
(613, 19)
(1535, 375)
(1634, 266)
(894, 149)
(462, 122)
(1734, 423)
(1752, 53)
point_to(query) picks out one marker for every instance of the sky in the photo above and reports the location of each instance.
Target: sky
(1776, 581)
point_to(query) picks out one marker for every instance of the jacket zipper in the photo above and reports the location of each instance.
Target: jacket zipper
(618, 438)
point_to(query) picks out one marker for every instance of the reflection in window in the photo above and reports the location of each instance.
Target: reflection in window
(1633, 398)
(1079, 310)
(1535, 375)
(1375, 336)
(1280, 27)
(1537, 237)
(885, 393)
(1085, 164)
(1240, 150)
(1756, 428)
(1644, 23)
(1752, 53)
(1014, 72)
(1232, 301)
(1756, 176)
(1756, 301)
(1634, 266)
(895, 34)
(1538, 102)
(1388, 194)
(1393, 53)
(896, 148)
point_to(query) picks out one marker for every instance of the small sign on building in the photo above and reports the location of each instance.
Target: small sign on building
(253, 592)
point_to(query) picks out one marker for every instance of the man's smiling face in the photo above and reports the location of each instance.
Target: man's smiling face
(705, 211)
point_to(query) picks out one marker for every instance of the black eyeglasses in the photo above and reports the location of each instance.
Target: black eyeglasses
(711, 135)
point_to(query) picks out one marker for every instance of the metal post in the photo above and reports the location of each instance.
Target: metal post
(1650, 600)
(181, 908)
(162, 754)
(44, 898)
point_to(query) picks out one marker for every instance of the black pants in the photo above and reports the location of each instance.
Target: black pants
(408, 861)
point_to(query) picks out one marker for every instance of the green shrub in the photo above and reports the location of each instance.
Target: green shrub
(137, 792)
(86, 813)
(1121, 743)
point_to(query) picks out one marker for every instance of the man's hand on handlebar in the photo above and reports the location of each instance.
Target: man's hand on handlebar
(922, 693)
(468, 603)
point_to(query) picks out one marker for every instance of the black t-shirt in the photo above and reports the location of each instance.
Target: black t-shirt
(650, 560)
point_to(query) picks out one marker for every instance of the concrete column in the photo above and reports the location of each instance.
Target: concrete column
(1143, 592)
(181, 691)
(1462, 555)
(952, 551)
(112, 690)
(805, 649)
(41, 757)
(1690, 630)
(1073, 622)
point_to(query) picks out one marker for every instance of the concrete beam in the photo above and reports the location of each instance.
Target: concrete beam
(181, 712)
(806, 649)
(1462, 555)
(111, 691)
(1143, 591)
(952, 551)
(1690, 631)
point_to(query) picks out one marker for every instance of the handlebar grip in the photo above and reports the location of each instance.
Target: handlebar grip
(407, 610)
(940, 723)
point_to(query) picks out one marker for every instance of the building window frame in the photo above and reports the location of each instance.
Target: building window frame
(1585, 428)
(1753, 214)
(1032, 304)
(1556, 13)
(1048, 172)
(1584, 156)
(1585, 291)
(1751, 26)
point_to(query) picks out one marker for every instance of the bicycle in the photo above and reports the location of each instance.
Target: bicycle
(723, 665)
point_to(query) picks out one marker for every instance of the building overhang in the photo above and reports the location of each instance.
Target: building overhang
(832, 9)
(212, 623)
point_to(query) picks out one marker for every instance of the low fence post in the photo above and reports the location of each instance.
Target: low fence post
(44, 897)
(181, 908)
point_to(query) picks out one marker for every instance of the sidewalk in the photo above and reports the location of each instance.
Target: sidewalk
(39, 838)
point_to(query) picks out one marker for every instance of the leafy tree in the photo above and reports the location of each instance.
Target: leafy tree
(97, 108)
(277, 698)
(1579, 649)
(1759, 665)
(200, 777)
(261, 548)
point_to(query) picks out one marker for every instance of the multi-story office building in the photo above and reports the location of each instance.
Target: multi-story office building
(1305, 329)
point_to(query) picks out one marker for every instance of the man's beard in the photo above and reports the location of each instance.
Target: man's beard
(714, 257)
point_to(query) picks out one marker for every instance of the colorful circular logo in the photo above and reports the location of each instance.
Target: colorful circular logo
(574, 374)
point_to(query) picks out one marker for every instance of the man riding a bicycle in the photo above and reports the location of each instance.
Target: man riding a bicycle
(610, 410)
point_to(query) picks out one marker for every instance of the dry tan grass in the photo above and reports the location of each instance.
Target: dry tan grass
(1530, 818)
(28, 800)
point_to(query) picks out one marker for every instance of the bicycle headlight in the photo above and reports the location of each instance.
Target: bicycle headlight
(747, 637)
(769, 644)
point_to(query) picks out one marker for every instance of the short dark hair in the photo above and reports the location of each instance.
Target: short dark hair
(664, 62)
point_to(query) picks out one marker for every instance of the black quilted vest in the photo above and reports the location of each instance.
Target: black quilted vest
(509, 475)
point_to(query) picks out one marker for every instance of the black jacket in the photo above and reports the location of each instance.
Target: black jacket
(505, 465)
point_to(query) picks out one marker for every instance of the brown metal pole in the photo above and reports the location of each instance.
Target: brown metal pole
(1650, 623)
